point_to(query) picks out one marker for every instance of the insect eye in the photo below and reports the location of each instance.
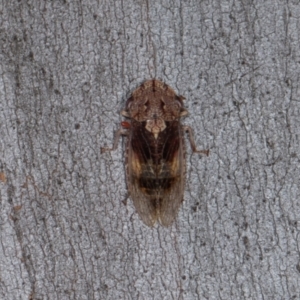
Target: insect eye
(129, 105)
(177, 105)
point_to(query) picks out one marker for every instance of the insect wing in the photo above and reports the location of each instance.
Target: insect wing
(172, 188)
(155, 173)
(137, 157)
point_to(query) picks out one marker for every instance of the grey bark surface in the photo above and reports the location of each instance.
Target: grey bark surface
(67, 68)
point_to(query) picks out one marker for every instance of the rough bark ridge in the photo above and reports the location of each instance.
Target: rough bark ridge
(66, 69)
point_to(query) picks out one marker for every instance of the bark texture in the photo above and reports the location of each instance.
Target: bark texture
(67, 230)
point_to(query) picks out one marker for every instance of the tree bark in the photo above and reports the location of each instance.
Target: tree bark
(68, 229)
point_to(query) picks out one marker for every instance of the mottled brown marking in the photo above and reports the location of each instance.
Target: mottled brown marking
(155, 153)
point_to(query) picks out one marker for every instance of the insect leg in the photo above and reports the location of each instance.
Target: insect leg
(119, 132)
(192, 141)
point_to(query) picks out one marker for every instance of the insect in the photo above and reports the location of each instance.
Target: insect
(155, 152)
